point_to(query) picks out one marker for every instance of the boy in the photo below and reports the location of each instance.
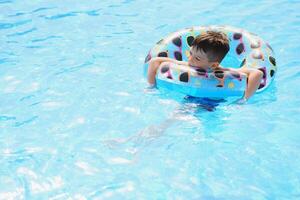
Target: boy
(207, 52)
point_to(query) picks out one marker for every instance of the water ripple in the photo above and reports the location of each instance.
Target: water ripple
(12, 25)
(22, 33)
(6, 118)
(127, 15)
(60, 16)
(127, 1)
(32, 12)
(18, 124)
(46, 38)
(94, 12)
(34, 47)
(6, 1)
(42, 9)
(3, 60)
(161, 26)
(107, 190)
(75, 68)
(17, 14)
(27, 97)
(123, 32)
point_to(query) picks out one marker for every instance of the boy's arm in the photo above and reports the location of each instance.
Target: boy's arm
(254, 79)
(154, 64)
(166, 59)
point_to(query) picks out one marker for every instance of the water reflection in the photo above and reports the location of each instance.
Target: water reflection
(192, 116)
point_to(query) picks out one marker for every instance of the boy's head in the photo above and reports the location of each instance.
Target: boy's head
(208, 49)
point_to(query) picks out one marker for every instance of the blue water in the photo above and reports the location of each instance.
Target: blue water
(76, 121)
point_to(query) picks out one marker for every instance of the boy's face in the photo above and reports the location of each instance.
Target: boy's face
(199, 59)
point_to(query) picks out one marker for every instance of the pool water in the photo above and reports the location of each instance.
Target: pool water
(77, 122)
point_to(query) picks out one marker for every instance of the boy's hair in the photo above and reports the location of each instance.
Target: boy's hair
(214, 44)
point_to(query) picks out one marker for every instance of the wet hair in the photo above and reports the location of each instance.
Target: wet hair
(214, 44)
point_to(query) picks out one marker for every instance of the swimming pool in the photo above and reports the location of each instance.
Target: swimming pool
(76, 121)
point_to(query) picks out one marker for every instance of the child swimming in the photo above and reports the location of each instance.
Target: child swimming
(206, 53)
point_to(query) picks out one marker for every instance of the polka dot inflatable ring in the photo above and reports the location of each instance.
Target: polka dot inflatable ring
(246, 50)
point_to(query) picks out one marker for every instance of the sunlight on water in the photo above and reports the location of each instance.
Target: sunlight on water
(77, 121)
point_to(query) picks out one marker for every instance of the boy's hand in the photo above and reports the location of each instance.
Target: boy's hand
(254, 78)
(241, 101)
(154, 63)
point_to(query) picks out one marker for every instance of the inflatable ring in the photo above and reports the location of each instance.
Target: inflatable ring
(246, 50)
